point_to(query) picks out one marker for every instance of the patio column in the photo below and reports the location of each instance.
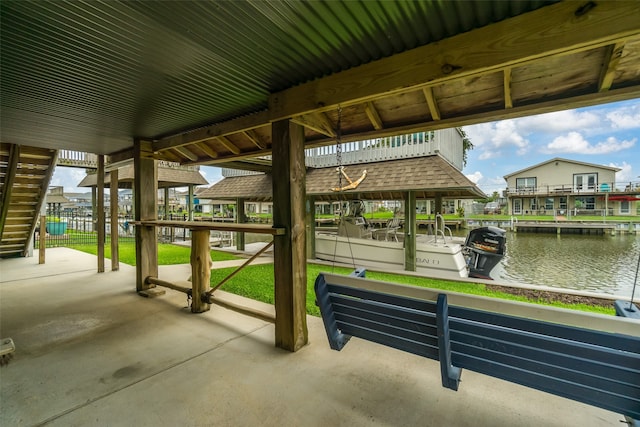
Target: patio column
(145, 198)
(190, 203)
(100, 220)
(311, 227)
(240, 219)
(115, 225)
(410, 231)
(290, 260)
(166, 206)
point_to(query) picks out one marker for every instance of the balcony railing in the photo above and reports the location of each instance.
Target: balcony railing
(445, 142)
(573, 189)
(80, 159)
(77, 159)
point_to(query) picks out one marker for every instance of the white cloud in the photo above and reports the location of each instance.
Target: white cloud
(626, 174)
(559, 121)
(474, 177)
(574, 142)
(492, 140)
(69, 178)
(625, 118)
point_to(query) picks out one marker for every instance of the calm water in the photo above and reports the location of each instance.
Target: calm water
(604, 264)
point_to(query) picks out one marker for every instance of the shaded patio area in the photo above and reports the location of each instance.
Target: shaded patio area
(90, 351)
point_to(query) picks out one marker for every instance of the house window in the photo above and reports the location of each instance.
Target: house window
(563, 202)
(548, 203)
(588, 203)
(585, 182)
(526, 184)
(517, 206)
(534, 204)
(624, 207)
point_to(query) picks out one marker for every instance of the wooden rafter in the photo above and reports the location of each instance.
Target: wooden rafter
(614, 53)
(432, 103)
(185, 152)
(240, 124)
(228, 144)
(508, 100)
(255, 139)
(470, 119)
(207, 149)
(374, 116)
(553, 30)
(318, 122)
(171, 156)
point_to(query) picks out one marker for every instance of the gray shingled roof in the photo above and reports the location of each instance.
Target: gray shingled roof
(167, 177)
(427, 176)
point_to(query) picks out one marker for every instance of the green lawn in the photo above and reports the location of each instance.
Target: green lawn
(256, 282)
(168, 254)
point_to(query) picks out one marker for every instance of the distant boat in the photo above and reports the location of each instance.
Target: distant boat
(355, 242)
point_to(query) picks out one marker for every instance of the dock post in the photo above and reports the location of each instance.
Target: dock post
(200, 269)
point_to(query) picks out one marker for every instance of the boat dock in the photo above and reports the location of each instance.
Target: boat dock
(565, 227)
(561, 227)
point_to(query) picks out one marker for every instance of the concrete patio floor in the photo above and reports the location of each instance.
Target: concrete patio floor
(91, 352)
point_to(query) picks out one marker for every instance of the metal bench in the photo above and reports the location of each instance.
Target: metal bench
(565, 357)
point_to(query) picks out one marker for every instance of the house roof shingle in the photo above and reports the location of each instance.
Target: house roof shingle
(167, 177)
(427, 176)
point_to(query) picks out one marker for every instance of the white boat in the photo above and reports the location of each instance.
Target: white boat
(358, 244)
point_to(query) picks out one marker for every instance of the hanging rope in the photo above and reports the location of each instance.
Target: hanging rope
(339, 146)
(340, 188)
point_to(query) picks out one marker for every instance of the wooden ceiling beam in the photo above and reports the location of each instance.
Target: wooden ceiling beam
(206, 149)
(185, 152)
(228, 145)
(558, 29)
(508, 100)
(318, 122)
(614, 53)
(432, 103)
(587, 100)
(226, 158)
(229, 127)
(374, 116)
(255, 139)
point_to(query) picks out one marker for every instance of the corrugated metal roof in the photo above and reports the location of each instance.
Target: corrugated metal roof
(90, 75)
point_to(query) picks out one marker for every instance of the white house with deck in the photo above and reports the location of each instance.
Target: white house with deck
(562, 186)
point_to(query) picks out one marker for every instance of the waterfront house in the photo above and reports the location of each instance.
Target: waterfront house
(568, 187)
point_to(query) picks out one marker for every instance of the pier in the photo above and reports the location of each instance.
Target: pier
(565, 227)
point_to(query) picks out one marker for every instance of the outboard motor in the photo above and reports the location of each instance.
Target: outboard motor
(484, 248)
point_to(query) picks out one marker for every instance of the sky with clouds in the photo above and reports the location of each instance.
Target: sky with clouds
(606, 135)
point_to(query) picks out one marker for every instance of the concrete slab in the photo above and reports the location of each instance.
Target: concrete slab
(91, 352)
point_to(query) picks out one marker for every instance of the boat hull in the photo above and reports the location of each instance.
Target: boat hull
(431, 258)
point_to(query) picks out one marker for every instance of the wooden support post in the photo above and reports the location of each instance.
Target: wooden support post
(200, 269)
(166, 207)
(190, 203)
(290, 260)
(115, 226)
(410, 231)
(145, 208)
(438, 203)
(100, 220)
(311, 227)
(240, 219)
(94, 209)
(42, 244)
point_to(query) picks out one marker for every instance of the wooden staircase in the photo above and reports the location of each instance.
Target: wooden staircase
(25, 173)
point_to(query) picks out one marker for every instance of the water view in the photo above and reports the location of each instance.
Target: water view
(604, 264)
